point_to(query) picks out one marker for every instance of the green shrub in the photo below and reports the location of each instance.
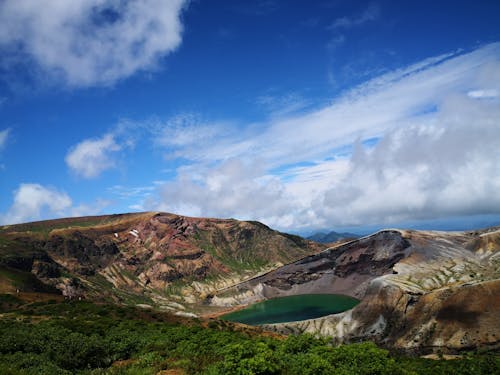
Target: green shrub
(87, 339)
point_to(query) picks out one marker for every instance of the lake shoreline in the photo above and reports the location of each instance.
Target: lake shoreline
(289, 308)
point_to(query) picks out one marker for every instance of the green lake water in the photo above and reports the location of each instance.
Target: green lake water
(292, 308)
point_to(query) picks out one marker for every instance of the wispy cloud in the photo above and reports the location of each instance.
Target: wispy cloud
(4, 135)
(371, 13)
(430, 158)
(89, 209)
(340, 28)
(183, 130)
(366, 111)
(125, 192)
(257, 7)
(90, 42)
(282, 104)
(483, 94)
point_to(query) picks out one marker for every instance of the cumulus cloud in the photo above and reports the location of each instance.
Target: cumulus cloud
(33, 201)
(4, 135)
(423, 148)
(446, 165)
(36, 202)
(233, 189)
(91, 42)
(91, 157)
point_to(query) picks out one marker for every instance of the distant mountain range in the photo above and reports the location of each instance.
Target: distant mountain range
(332, 236)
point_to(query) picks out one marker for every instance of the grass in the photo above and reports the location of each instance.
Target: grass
(241, 264)
(46, 226)
(24, 281)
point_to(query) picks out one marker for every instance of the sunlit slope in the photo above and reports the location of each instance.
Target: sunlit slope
(146, 258)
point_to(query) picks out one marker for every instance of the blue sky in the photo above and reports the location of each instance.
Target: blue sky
(302, 114)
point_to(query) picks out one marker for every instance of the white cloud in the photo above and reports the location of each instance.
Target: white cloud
(33, 201)
(371, 13)
(91, 42)
(483, 94)
(366, 111)
(446, 165)
(89, 209)
(183, 130)
(233, 189)
(281, 105)
(37, 202)
(437, 154)
(124, 192)
(91, 157)
(4, 135)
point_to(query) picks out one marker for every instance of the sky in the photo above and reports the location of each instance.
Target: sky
(305, 115)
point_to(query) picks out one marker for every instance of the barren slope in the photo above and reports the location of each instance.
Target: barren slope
(419, 290)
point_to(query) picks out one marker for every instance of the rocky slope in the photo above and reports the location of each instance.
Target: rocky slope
(419, 291)
(149, 258)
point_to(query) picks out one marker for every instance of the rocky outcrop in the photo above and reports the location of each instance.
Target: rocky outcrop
(419, 291)
(347, 269)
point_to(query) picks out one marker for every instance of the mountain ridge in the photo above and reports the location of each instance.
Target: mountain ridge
(144, 257)
(419, 291)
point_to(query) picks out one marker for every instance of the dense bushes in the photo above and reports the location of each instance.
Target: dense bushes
(91, 339)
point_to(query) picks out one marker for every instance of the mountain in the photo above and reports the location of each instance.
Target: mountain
(157, 259)
(420, 291)
(331, 237)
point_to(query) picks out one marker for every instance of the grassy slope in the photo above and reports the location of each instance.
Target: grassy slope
(45, 226)
(85, 338)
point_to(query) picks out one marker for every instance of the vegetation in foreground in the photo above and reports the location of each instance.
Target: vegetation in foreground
(85, 338)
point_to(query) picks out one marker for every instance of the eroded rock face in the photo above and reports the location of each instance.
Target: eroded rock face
(145, 255)
(88, 251)
(347, 269)
(419, 291)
